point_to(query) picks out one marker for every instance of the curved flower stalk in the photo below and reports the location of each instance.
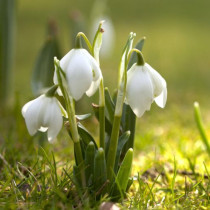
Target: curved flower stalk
(145, 85)
(83, 73)
(43, 114)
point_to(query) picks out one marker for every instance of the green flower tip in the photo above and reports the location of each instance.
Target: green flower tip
(130, 150)
(56, 61)
(100, 29)
(100, 150)
(196, 104)
(132, 35)
(128, 133)
(91, 143)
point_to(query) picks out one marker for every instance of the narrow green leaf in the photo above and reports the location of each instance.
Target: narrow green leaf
(89, 161)
(122, 178)
(130, 182)
(108, 125)
(85, 135)
(99, 175)
(97, 42)
(7, 35)
(110, 106)
(43, 71)
(125, 53)
(121, 142)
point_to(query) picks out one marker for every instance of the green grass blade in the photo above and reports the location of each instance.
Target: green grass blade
(173, 179)
(201, 127)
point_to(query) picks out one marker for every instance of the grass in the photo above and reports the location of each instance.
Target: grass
(171, 166)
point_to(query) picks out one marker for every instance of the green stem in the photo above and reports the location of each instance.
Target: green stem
(102, 126)
(116, 125)
(81, 34)
(102, 114)
(140, 57)
(72, 123)
(78, 150)
(78, 42)
(113, 147)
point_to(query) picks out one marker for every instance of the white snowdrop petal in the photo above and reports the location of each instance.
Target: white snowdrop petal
(46, 112)
(64, 62)
(56, 121)
(31, 114)
(43, 113)
(25, 107)
(139, 93)
(43, 129)
(95, 67)
(93, 87)
(79, 76)
(157, 80)
(162, 98)
(82, 73)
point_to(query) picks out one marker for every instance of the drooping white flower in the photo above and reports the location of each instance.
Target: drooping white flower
(144, 85)
(43, 114)
(83, 73)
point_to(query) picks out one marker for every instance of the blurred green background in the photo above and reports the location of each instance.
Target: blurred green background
(177, 43)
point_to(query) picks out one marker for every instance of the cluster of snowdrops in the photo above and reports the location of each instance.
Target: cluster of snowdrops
(103, 167)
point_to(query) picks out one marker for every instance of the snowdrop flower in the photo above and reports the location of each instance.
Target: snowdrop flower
(43, 113)
(144, 85)
(83, 73)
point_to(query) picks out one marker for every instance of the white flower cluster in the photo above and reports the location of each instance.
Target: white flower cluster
(83, 75)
